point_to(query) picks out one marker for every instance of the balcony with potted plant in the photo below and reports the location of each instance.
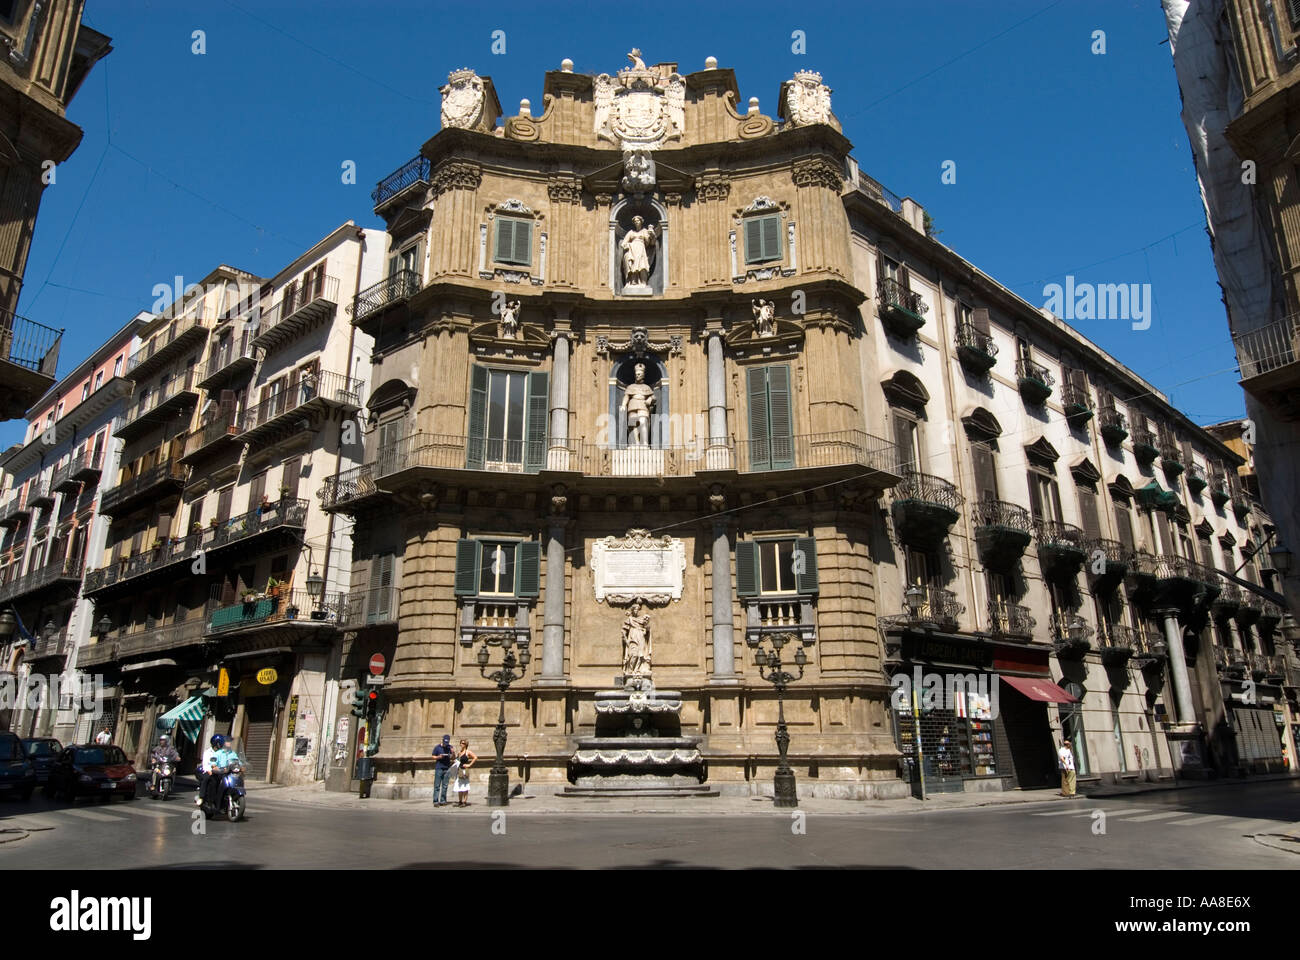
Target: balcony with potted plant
(1114, 426)
(1035, 381)
(901, 311)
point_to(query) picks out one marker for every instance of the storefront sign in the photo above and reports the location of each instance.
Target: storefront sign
(267, 677)
(947, 650)
(223, 683)
(292, 725)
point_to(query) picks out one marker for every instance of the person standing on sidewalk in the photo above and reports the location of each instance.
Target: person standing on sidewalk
(103, 738)
(442, 755)
(464, 760)
(1065, 760)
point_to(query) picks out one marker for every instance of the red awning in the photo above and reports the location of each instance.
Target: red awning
(1043, 690)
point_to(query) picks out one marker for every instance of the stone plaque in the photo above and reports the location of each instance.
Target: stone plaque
(638, 566)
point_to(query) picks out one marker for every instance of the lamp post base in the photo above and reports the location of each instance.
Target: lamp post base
(784, 794)
(498, 793)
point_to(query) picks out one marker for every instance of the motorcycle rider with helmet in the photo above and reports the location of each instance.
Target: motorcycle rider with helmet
(209, 769)
(164, 753)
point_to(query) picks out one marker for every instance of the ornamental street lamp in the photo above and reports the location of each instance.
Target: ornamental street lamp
(498, 794)
(8, 624)
(770, 669)
(1282, 559)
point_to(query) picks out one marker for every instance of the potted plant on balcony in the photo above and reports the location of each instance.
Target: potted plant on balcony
(159, 543)
(196, 527)
(291, 611)
(284, 493)
(212, 524)
(273, 588)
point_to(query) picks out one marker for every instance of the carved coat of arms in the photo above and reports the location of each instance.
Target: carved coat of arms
(807, 99)
(640, 108)
(462, 99)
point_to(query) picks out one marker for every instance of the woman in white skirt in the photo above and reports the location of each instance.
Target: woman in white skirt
(465, 758)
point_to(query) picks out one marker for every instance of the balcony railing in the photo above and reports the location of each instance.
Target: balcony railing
(78, 470)
(288, 607)
(14, 512)
(330, 387)
(1171, 457)
(407, 175)
(1008, 619)
(1116, 642)
(1036, 381)
(96, 653)
(1115, 557)
(154, 639)
(1071, 634)
(207, 434)
(901, 310)
(1145, 447)
(931, 607)
(1114, 426)
(163, 345)
(790, 614)
(300, 305)
(1269, 348)
(371, 605)
(349, 486)
(1196, 478)
(30, 345)
(929, 489)
(489, 616)
(839, 448)
(1002, 531)
(41, 494)
(396, 288)
(1077, 402)
(975, 348)
(55, 644)
(171, 391)
(231, 357)
(169, 471)
(68, 571)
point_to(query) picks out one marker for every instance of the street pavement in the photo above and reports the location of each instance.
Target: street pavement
(1212, 827)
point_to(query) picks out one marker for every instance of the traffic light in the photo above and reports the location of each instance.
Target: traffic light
(374, 703)
(360, 703)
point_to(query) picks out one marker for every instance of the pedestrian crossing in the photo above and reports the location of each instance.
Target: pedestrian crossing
(1175, 818)
(124, 811)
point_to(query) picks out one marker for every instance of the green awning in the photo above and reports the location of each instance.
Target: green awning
(189, 715)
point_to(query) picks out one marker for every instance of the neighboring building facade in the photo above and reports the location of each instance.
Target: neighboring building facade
(1236, 64)
(843, 409)
(51, 525)
(242, 394)
(49, 52)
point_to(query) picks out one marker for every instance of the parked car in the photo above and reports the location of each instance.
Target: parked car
(43, 752)
(90, 770)
(17, 774)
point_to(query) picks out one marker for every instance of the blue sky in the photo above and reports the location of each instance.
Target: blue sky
(1067, 162)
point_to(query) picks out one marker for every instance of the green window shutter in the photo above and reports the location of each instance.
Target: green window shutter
(753, 240)
(806, 582)
(771, 238)
(467, 565)
(505, 239)
(478, 389)
(535, 421)
(523, 251)
(746, 568)
(780, 422)
(760, 446)
(528, 556)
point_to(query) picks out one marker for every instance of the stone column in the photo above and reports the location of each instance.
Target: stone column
(1178, 669)
(724, 643)
(553, 609)
(560, 389)
(717, 384)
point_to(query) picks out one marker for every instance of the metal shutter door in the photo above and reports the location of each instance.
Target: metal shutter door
(258, 727)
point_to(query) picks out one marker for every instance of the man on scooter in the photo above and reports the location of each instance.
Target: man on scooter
(208, 770)
(164, 753)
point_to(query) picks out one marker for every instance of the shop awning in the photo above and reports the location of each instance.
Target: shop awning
(1043, 690)
(189, 715)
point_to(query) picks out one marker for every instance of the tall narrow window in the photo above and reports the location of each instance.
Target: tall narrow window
(763, 238)
(379, 602)
(907, 438)
(514, 241)
(771, 424)
(1088, 512)
(507, 420)
(986, 477)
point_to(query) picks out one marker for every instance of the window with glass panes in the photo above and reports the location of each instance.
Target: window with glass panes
(507, 419)
(500, 568)
(785, 565)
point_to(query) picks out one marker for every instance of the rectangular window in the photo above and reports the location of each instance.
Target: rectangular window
(289, 478)
(986, 477)
(1044, 497)
(117, 367)
(763, 238)
(507, 420)
(514, 241)
(498, 568)
(771, 425)
(85, 390)
(907, 438)
(1088, 512)
(1124, 524)
(224, 499)
(777, 566)
(407, 260)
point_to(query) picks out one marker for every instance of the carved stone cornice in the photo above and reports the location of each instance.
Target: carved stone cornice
(818, 172)
(456, 175)
(564, 191)
(712, 186)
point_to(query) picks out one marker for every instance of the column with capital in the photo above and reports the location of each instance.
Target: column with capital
(718, 454)
(557, 457)
(724, 643)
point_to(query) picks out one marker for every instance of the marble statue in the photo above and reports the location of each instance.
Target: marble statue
(638, 406)
(636, 643)
(764, 317)
(638, 171)
(510, 320)
(637, 63)
(638, 246)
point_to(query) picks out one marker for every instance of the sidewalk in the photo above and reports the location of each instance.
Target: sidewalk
(525, 804)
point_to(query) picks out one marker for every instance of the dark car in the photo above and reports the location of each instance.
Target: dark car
(90, 770)
(43, 752)
(17, 774)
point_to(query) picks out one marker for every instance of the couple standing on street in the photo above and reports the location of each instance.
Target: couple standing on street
(444, 760)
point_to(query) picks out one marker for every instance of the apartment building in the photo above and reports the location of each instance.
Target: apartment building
(221, 580)
(51, 526)
(48, 54)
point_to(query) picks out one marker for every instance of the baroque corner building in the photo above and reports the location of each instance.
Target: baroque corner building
(622, 330)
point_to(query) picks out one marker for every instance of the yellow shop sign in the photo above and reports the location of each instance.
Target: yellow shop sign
(267, 677)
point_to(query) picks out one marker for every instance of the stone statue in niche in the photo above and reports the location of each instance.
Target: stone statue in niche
(638, 407)
(510, 320)
(638, 246)
(764, 317)
(636, 643)
(638, 171)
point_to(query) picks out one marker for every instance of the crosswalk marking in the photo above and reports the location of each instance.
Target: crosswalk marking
(142, 811)
(1209, 818)
(1153, 816)
(1058, 813)
(92, 815)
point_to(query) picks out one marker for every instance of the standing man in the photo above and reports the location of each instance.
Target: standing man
(103, 738)
(1065, 760)
(442, 757)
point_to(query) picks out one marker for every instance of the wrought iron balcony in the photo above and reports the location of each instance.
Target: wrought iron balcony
(901, 311)
(349, 488)
(158, 481)
(1268, 357)
(1002, 531)
(1071, 635)
(1108, 560)
(208, 438)
(287, 607)
(48, 646)
(1196, 479)
(80, 469)
(1116, 642)
(368, 606)
(1171, 458)
(312, 394)
(15, 512)
(66, 573)
(301, 307)
(1008, 619)
(96, 653)
(40, 496)
(1114, 426)
(1220, 493)
(1148, 650)
(1062, 547)
(926, 608)
(1230, 661)
(1035, 381)
(1174, 581)
(1269, 617)
(1145, 449)
(167, 345)
(975, 349)
(1077, 402)
(394, 289)
(29, 356)
(232, 359)
(156, 638)
(409, 174)
(1228, 601)
(1250, 609)
(1241, 505)
(924, 507)
(176, 394)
